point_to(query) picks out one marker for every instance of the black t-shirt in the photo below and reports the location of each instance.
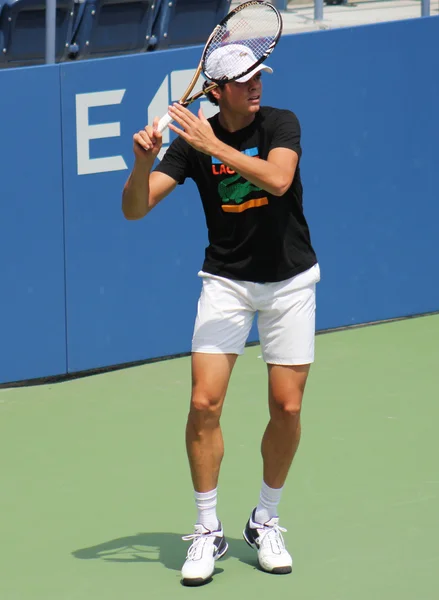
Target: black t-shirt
(253, 235)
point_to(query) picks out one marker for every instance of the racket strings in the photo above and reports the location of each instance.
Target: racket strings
(256, 28)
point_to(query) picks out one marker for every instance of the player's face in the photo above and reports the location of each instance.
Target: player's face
(242, 98)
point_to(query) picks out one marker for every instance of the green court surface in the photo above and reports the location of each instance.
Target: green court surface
(95, 488)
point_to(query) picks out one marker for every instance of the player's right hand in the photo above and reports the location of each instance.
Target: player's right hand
(148, 141)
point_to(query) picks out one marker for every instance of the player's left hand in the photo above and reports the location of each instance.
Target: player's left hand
(196, 130)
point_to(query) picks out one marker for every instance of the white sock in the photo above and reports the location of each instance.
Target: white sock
(268, 501)
(206, 506)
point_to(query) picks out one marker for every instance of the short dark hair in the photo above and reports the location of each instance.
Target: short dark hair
(209, 95)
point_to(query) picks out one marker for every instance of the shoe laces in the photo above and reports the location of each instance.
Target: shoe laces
(272, 531)
(199, 538)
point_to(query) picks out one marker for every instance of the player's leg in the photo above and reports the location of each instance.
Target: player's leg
(204, 440)
(282, 435)
(223, 322)
(279, 445)
(287, 331)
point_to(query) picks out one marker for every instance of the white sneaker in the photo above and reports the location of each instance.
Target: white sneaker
(207, 547)
(267, 539)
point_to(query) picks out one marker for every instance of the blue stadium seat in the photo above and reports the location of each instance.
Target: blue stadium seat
(23, 31)
(187, 22)
(111, 27)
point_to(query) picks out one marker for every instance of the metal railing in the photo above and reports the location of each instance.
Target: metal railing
(425, 8)
(318, 8)
(50, 31)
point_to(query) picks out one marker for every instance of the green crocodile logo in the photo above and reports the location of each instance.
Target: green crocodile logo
(231, 191)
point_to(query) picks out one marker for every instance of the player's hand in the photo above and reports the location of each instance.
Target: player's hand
(147, 142)
(197, 131)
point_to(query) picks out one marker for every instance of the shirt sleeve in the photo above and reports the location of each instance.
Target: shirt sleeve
(176, 161)
(286, 132)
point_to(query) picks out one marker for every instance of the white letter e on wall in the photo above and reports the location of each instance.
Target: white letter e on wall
(86, 132)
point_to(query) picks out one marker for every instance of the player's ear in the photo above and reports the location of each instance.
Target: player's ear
(216, 93)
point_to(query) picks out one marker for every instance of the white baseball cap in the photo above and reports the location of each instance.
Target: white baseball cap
(225, 60)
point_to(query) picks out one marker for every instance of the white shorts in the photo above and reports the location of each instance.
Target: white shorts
(286, 317)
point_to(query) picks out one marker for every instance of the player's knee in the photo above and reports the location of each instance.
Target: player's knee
(287, 407)
(205, 407)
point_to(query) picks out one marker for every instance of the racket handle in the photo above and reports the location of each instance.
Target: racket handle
(164, 122)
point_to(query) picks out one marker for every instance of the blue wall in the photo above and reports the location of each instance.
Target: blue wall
(32, 291)
(83, 288)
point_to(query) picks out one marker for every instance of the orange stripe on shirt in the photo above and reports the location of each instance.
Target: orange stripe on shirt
(245, 205)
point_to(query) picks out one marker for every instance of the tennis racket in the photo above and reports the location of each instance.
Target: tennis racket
(254, 28)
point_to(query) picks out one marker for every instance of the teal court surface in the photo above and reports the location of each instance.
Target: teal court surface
(95, 489)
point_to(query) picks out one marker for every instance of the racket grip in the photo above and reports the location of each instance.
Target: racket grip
(164, 122)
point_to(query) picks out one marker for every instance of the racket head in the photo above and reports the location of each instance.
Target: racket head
(241, 42)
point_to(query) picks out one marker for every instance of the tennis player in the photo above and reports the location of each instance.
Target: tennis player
(245, 162)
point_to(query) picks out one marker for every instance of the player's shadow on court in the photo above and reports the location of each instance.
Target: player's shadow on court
(166, 548)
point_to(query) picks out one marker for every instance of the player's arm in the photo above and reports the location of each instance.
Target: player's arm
(143, 190)
(274, 175)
